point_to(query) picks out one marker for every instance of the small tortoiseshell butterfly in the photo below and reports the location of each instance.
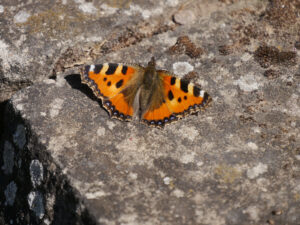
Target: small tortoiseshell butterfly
(156, 97)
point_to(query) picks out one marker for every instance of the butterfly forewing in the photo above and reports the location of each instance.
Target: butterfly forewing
(107, 81)
(182, 97)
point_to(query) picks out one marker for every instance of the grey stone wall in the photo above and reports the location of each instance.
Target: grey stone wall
(65, 161)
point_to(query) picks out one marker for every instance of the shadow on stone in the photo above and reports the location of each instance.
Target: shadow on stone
(75, 82)
(65, 208)
(2, 109)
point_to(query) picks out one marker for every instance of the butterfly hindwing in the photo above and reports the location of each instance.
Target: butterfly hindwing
(159, 116)
(107, 82)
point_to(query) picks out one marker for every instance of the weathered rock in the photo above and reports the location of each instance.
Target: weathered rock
(236, 163)
(37, 37)
(41, 39)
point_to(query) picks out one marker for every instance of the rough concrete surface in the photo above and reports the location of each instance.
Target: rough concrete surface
(64, 161)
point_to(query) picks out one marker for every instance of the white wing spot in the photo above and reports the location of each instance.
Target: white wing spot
(202, 93)
(92, 68)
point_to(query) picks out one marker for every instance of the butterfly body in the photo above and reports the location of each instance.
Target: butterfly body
(154, 96)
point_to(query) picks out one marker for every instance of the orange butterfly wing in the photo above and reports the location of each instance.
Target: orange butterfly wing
(180, 99)
(183, 97)
(107, 82)
(159, 116)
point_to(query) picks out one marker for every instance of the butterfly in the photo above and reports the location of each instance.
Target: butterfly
(155, 97)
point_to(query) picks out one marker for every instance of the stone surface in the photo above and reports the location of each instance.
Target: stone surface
(42, 38)
(35, 35)
(235, 163)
